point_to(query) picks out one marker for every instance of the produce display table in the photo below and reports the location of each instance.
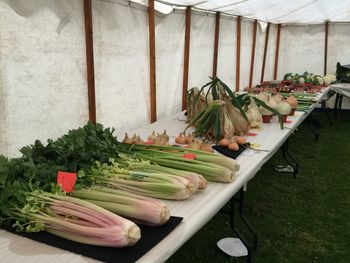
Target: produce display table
(196, 211)
(342, 89)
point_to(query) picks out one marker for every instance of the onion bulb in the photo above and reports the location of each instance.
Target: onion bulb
(195, 145)
(265, 111)
(206, 148)
(165, 136)
(181, 139)
(278, 98)
(292, 101)
(263, 96)
(253, 114)
(272, 103)
(284, 108)
(127, 139)
(224, 142)
(240, 140)
(233, 146)
(152, 137)
(134, 139)
(139, 140)
(189, 138)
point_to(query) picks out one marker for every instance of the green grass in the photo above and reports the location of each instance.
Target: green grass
(302, 220)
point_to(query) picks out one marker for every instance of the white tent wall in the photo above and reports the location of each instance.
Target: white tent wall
(270, 55)
(42, 71)
(201, 49)
(246, 51)
(301, 49)
(227, 51)
(43, 87)
(338, 46)
(121, 56)
(338, 51)
(259, 55)
(170, 35)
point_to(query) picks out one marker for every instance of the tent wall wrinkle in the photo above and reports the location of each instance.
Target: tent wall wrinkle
(302, 49)
(43, 86)
(121, 65)
(227, 51)
(202, 46)
(42, 74)
(170, 35)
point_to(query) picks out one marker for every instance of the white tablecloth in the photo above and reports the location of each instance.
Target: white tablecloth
(341, 88)
(196, 211)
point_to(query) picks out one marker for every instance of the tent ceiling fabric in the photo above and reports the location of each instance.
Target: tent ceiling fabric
(275, 11)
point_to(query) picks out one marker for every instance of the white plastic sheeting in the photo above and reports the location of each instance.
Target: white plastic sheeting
(338, 45)
(43, 90)
(276, 11)
(42, 71)
(170, 35)
(121, 65)
(227, 51)
(302, 49)
(201, 49)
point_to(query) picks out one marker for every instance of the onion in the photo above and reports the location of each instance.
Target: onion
(272, 103)
(265, 111)
(195, 145)
(278, 98)
(263, 96)
(165, 136)
(224, 142)
(284, 108)
(127, 139)
(152, 137)
(134, 139)
(253, 114)
(189, 138)
(292, 101)
(206, 148)
(181, 139)
(139, 140)
(240, 140)
(233, 146)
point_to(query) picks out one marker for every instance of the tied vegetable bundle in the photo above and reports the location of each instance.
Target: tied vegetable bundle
(27, 207)
(219, 113)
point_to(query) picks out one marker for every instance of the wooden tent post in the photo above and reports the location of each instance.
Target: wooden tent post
(265, 52)
(238, 53)
(277, 51)
(216, 43)
(152, 53)
(186, 56)
(325, 48)
(90, 60)
(255, 26)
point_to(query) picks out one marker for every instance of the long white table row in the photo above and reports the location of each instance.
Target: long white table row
(196, 211)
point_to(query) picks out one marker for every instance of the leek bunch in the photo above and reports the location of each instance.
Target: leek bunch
(213, 167)
(28, 208)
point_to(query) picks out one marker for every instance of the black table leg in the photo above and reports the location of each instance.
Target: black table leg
(292, 167)
(251, 246)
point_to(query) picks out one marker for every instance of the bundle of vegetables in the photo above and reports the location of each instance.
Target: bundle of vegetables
(311, 78)
(79, 149)
(220, 113)
(213, 167)
(343, 73)
(255, 104)
(138, 208)
(216, 114)
(304, 100)
(26, 207)
(153, 184)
